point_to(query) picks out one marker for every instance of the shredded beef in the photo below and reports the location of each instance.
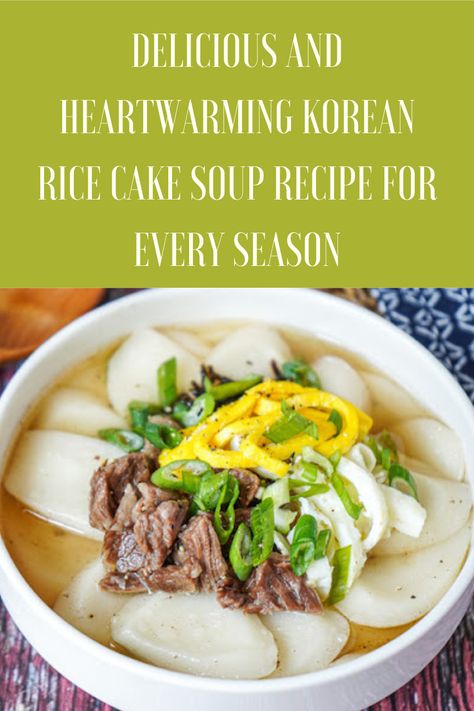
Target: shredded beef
(272, 586)
(109, 483)
(143, 535)
(249, 484)
(242, 516)
(199, 550)
(164, 420)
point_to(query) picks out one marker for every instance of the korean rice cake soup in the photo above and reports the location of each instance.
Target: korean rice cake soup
(236, 501)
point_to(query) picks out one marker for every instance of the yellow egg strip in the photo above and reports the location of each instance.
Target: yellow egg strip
(258, 455)
(276, 389)
(243, 427)
(253, 413)
(320, 399)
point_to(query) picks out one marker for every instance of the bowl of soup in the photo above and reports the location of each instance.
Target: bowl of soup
(236, 496)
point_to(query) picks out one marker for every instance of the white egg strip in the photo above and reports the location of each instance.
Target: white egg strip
(306, 642)
(132, 369)
(372, 499)
(447, 505)
(76, 410)
(249, 350)
(319, 577)
(88, 608)
(194, 634)
(50, 473)
(433, 443)
(363, 456)
(395, 590)
(344, 529)
(340, 378)
(405, 513)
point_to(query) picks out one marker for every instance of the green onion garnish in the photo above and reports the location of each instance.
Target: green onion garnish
(289, 425)
(125, 439)
(162, 436)
(139, 414)
(353, 509)
(202, 407)
(224, 391)
(300, 372)
(310, 455)
(313, 490)
(386, 440)
(230, 493)
(167, 390)
(335, 458)
(240, 552)
(372, 444)
(191, 471)
(262, 525)
(400, 478)
(336, 419)
(279, 491)
(322, 543)
(386, 458)
(309, 471)
(340, 576)
(283, 519)
(303, 545)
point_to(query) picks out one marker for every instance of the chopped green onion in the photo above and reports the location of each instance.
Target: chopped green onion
(336, 419)
(230, 489)
(262, 525)
(202, 407)
(167, 390)
(303, 545)
(310, 455)
(335, 458)
(279, 491)
(240, 553)
(224, 391)
(289, 425)
(313, 490)
(399, 475)
(139, 413)
(162, 436)
(210, 489)
(372, 444)
(281, 543)
(386, 440)
(309, 471)
(190, 471)
(386, 458)
(125, 439)
(340, 576)
(353, 509)
(300, 372)
(322, 543)
(283, 519)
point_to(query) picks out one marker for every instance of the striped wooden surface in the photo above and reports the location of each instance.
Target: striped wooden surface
(28, 683)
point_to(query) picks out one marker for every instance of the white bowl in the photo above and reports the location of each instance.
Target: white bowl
(132, 685)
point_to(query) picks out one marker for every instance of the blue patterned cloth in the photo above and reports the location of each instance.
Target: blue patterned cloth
(441, 319)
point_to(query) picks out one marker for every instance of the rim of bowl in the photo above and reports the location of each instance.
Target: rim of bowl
(245, 686)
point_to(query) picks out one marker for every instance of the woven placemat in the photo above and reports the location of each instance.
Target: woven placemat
(442, 319)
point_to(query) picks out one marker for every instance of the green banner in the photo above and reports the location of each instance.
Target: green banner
(237, 143)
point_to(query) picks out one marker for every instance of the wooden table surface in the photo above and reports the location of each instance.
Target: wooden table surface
(443, 319)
